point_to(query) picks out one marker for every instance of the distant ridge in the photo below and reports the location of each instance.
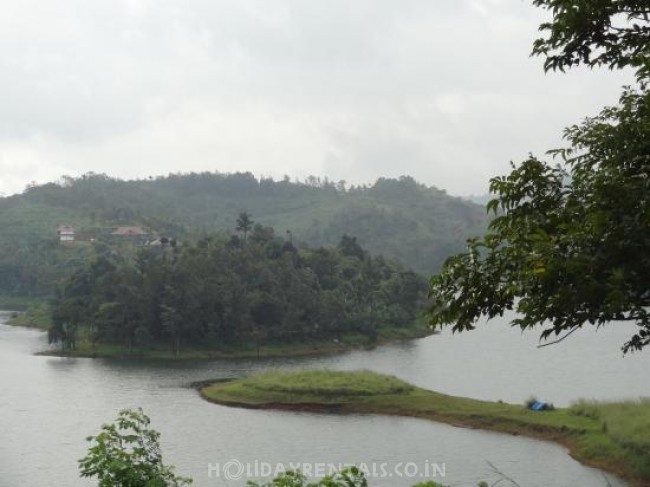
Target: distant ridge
(479, 199)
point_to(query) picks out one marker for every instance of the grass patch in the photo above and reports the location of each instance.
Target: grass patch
(329, 383)
(627, 424)
(610, 436)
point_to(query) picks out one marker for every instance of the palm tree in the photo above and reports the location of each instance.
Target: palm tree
(244, 223)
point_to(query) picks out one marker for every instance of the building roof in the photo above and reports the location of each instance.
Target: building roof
(65, 229)
(129, 231)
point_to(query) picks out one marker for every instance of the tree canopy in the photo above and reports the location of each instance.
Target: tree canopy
(613, 33)
(569, 244)
(235, 293)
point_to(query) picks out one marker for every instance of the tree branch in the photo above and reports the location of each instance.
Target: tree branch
(558, 340)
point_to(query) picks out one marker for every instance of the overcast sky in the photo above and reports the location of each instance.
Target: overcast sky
(442, 90)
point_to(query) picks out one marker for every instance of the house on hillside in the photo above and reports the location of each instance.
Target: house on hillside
(133, 234)
(161, 242)
(65, 233)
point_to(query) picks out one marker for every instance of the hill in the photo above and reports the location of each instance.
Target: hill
(398, 218)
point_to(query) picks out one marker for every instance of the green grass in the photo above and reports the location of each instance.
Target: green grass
(626, 424)
(329, 383)
(611, 436)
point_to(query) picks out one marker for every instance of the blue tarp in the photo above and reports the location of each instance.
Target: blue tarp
(538, 406)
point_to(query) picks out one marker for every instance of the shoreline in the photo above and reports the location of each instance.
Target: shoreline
(313, 349)
(307, 349)
(578, 434)
(38, 317)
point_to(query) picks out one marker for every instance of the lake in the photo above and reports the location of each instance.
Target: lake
(49, 405)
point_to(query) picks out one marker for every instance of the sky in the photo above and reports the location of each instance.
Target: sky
(444, 91)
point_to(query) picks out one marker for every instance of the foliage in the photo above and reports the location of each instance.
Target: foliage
(37, 315)
(569, 244)
(127, 454)
(66, 317)
(33, 268)
(397, 218)
(567, 249)
(236, 293)
(348, 477)
(614, 33)
(244, 223)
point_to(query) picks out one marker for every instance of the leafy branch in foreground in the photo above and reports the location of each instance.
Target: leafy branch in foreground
(565, 248)
(348, 477)
(613, 33)
(570, 244)
(127, 454)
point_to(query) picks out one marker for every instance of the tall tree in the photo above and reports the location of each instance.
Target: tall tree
(244, 223)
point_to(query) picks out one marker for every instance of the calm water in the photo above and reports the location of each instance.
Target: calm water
(49, 405)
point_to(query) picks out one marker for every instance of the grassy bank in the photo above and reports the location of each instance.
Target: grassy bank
(39, 316)
(614, 437)
(85, 348)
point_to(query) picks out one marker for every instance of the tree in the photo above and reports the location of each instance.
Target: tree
(348, 477)
(66, 318)
(127, 454)
(570, 244)
(262, 235)
(350, 247)
(244, 223)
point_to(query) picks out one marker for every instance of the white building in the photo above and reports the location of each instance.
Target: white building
(65, 233)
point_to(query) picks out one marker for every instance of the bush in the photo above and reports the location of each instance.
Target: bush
(127, 454)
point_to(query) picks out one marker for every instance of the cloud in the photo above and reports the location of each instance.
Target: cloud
(22, 165)
(444, 91)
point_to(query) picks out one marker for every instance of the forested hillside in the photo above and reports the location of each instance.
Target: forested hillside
(397, 218)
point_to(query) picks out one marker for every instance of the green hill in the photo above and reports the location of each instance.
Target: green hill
(398, 218)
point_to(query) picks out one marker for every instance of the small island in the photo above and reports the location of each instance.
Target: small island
(609, 436)
(251, 294)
